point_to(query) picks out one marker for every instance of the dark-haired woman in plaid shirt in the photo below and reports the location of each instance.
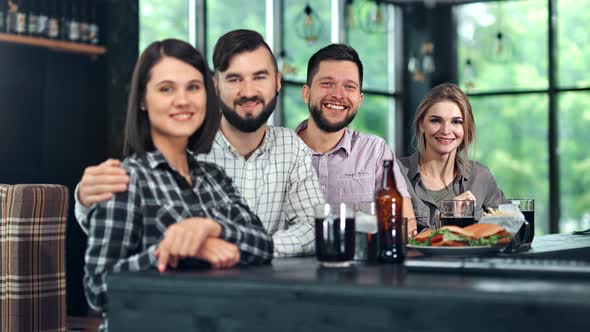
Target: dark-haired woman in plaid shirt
(176, 208)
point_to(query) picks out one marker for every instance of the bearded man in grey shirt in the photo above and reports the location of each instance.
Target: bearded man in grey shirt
(349, 164)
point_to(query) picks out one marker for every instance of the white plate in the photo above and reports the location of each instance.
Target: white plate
(457, 251)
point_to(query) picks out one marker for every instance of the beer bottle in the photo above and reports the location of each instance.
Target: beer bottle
(74, 31)
(21, 18)
(2, 15)
(64, 21)
(33, 18)
(53, 23)
(42, 19)
(11, 11)
(84, 26)
(389, 217)
(93, 30)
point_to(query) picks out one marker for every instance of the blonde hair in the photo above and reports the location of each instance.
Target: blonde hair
(440, 93)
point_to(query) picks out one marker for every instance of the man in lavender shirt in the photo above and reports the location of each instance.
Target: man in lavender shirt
(349, 164)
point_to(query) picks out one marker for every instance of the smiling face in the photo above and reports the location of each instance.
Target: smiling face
(334, 96)
(247, 89)
(443, 128)
(175, 100)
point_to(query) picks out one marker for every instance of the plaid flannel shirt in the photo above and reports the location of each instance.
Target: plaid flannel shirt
(124, 231)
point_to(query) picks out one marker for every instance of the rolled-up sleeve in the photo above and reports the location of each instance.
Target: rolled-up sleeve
(114, 244)
(241, 226)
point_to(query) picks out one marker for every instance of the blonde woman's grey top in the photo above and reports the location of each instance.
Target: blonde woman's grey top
(474, 177)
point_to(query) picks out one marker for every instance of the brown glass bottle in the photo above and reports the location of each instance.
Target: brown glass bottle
(389, 217)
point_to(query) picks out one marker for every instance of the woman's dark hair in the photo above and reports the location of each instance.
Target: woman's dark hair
(138, 137)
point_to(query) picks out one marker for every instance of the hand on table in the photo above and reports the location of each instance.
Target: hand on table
(219, 253)
(185, 239)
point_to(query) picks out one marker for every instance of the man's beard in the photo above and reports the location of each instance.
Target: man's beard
(250, 124)
(324, 125)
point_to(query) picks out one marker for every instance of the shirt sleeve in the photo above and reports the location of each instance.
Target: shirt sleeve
(304, 193)
(81, 211)
(400, 181)
(114, 243)
(241, 226)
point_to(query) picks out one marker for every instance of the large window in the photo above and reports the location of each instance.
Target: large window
(227, 15)
(373, 40)
(158, 21)
(573, 107)
(504, 66)
(368, 28)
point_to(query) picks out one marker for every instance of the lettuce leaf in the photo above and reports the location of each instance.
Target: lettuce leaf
(449, 236)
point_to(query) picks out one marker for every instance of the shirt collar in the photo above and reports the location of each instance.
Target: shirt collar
(344, 144)
(414, 167)
(156, 159)
(222, 142)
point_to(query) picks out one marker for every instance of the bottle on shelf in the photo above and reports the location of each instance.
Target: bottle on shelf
(64, 21)
(2, 15)
(33, 18)
(21, 17)
(11, 12)
(53, 21)
(74, 30)
(84, 25)
(93, 29)
(42, 19)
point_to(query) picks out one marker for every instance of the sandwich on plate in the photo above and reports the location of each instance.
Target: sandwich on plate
(454, 236)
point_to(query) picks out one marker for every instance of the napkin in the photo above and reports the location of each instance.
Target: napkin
(511, 218)
(365, 223)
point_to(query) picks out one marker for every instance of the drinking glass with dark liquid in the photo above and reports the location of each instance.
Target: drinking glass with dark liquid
(392, 229)
(334, 234)
(457, 212)
(527, 207)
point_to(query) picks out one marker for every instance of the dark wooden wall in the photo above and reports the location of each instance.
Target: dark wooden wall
(61, 112)
(421, 24)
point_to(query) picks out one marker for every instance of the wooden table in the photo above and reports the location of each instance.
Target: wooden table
(297, 295)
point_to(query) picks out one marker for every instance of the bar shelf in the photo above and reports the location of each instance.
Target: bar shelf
(54, 45)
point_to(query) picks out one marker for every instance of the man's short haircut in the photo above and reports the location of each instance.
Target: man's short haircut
(333, 52)
(236, 42)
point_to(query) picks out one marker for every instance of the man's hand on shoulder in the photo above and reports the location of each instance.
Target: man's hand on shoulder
(100, 182)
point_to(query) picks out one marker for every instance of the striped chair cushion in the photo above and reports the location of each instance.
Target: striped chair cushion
(32, 248)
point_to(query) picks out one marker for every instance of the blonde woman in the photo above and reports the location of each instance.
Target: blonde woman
(440, 169)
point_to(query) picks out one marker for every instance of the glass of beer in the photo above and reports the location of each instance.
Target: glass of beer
(334, 234)
(457, 212)
(527, 207)
(366, 241)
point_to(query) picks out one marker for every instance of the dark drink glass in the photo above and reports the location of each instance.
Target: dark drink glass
(457, 221)
(527, 207)
(457, 212)
(334, 234)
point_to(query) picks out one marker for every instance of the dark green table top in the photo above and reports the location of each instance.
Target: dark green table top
(299, 285)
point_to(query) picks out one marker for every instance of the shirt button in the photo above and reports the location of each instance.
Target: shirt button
(323, 187)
